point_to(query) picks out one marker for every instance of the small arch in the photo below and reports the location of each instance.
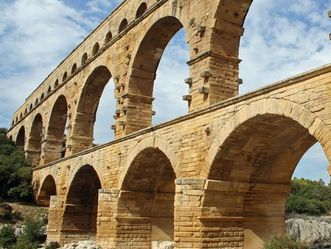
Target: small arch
(11, 138)
(42, 96)
(56, 131)
(26, 111)
(95, 49)
(123, 25)
(12, 123)
(31, 106)
(74, 68)
(108, 37)
(36, 102)
(80, 214)
(16, 120)
(21, 116)
(48, 189)
(141, 10)
(84, 58)
(20, 139)
(34, 140)
(49, 90)
(56, 84)
(65, 76)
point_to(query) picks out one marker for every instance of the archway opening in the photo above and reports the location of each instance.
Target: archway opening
(123, 25)
(87, 110)
(258, 158)
(20, 139)
(56, 132)
(147, 197)
(141, 10)
(169, 73)
(35, 139)
(80, 215)
(47, 189)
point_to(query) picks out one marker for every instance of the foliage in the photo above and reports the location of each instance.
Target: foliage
(31, 236)
(284, 242)
(7, 237)
(15, 171)
(309, 197)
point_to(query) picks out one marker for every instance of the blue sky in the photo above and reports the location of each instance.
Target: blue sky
(282, 38)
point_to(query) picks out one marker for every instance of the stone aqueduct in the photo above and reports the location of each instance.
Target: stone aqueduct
(217, 177)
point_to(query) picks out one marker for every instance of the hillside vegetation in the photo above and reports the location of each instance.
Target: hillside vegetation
(15, 172)
(309, 197)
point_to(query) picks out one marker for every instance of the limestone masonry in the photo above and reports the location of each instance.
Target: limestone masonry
(217, 177)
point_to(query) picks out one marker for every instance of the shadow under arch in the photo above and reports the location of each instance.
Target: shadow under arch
(47, 189)
(81, 206)
(143, 71)
(20, 138)
(87, 108)
(35, 140)
(147, 198)
(257, 155)
(55, 147)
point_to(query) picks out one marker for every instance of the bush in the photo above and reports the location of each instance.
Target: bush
(7, 237)
(31, 236)
(284, 242)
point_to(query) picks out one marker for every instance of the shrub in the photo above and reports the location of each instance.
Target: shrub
(284, 242)
(31, 236)
(7, 237)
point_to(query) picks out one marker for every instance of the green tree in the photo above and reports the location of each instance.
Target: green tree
(7, 237)
(15, 171)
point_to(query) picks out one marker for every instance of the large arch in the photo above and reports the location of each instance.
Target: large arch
(87, 108)
(47, 189)
(143, 72)
(147, 198)
(256, 153)
(20, 138)
(55, 147)
(81, 206)
(35, 140)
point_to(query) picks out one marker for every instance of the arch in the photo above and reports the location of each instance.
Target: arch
(35, 140)
(80, 214)
(123, 25)
(87, 107)
(258, 150)
(74, 68)
(20, 138)
(65, 76)
(11, 138)
(16, 120)
(108, 37)
(95, 49)
(31, 107)
(56, 84)
(141, 10)
(147, 196)
(49, 90)
(26, 111)
(36, 102)
(56, 138)
(47, 189)
(42, 96)
(144, 66)
(21, 116)
(84, 58)
(12, 123)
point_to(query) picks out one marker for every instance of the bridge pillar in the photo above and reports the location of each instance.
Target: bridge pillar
(207, 218)
(55, 219)
(52, 149)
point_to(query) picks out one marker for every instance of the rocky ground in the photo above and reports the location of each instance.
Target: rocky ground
(314, 230)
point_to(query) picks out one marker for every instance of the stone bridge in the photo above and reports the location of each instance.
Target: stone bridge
(217, 177)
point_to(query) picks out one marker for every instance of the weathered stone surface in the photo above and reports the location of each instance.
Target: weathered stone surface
(308, 230)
